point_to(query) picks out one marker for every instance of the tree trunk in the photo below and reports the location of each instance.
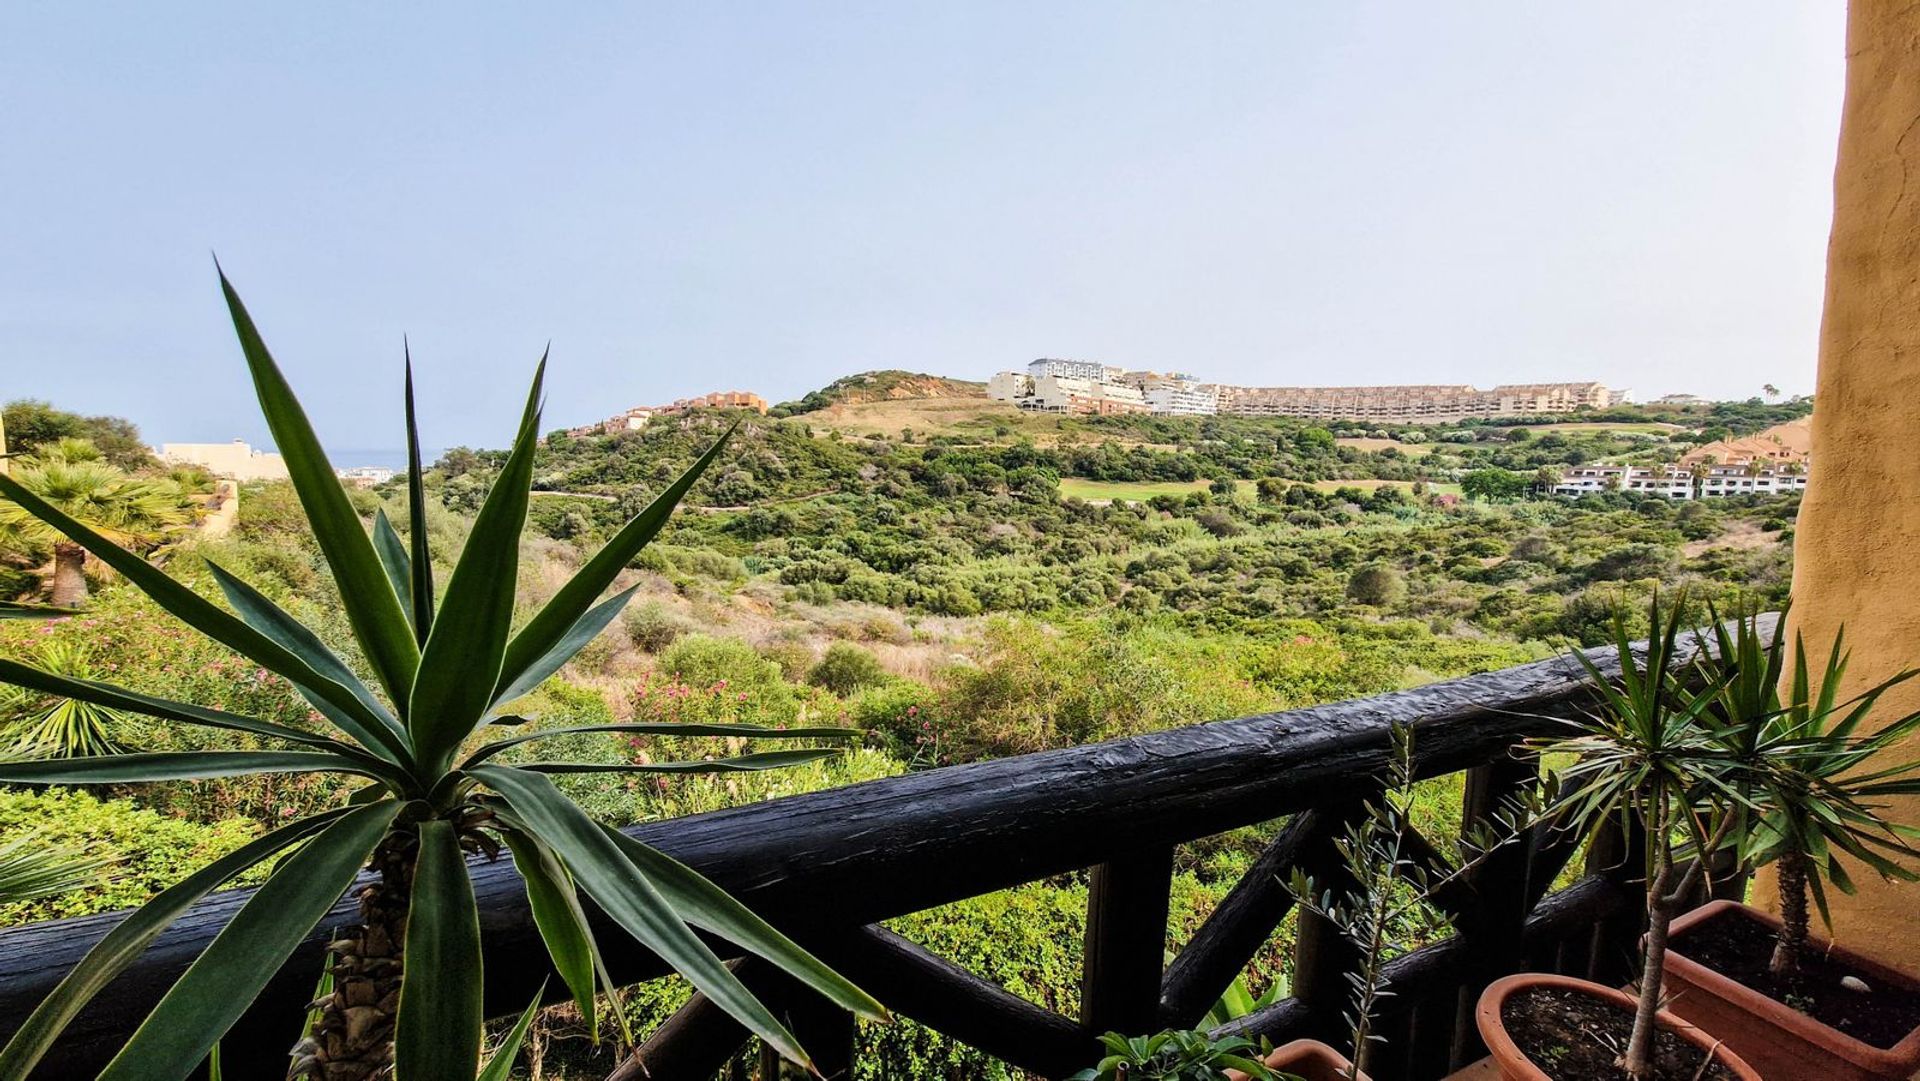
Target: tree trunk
(69, 580)
(1638, 1059)
(352, 1036)
(1793, 914)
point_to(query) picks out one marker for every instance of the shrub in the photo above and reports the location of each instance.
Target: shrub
(653, 626)
(701, 661)
(1378, 585)
(846, 669)
(149, 850)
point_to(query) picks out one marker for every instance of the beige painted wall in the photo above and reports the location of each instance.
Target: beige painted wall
(1858, 538)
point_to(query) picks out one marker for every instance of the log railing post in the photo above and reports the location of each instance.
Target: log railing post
(1126, 942)
(1322, 953)
(1501, 889)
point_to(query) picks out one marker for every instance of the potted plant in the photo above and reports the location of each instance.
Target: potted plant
(1792, 1005)
(1646, 754)
(1383, 905)
(424, 735)
(1176, 1055)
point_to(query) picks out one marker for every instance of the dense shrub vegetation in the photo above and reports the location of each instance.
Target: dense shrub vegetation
(946, 598)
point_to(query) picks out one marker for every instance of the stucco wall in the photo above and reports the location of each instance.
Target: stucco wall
(1858, 538)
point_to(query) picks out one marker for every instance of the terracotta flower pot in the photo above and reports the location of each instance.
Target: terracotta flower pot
(1516, 1066)
(1309, 1059)
(1780, 1041)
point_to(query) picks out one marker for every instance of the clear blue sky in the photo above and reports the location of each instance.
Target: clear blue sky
(699, 196)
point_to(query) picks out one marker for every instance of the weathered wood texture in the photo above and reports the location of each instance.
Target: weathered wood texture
(842, 859)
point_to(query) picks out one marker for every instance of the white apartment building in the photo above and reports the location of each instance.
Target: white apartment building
(1719, 481)
(1009, 386)
(236, 459)
(1072, 369)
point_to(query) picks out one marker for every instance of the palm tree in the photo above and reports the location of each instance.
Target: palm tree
(73, 476)
(425, 734)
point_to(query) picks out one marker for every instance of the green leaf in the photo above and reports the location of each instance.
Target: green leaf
(561, 920)
(750, 731)
(710, 908)
(219, 986)
(552, 623)
(631, 900)
(373, 609)
(190, 607)
(16, 610)
(394, 559)
(460, 664)
(500, 1066)
(290, 634)
(112, 697)
(152, 766)
(422, 562)
(585, 630)
(437, 1031)
(746, 763)
(129, 938)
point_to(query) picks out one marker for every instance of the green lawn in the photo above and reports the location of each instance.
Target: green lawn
(1129, 491)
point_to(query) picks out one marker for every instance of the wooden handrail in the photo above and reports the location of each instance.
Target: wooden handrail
(828, 863)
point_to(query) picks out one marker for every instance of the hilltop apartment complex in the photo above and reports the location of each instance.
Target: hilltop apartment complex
(636, 418)
(1082, 386)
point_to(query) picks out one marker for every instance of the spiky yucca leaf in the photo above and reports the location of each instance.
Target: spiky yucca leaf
(441, 677)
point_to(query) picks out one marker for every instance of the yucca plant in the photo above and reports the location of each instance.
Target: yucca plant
(30, 868)
(1813, 776)
(407, 991)
(62, 727)
(1649, 754)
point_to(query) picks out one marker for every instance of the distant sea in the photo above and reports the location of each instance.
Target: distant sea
(353, 457)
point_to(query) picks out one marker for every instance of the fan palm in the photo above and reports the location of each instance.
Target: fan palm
(407, 990)
(73, 477)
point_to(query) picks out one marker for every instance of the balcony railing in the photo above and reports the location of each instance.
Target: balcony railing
(829, 867)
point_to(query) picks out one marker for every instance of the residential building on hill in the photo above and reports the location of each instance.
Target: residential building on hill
(236, 459)
(1701, 482)
(1176, 393)
(636, 418)
(1791, 442)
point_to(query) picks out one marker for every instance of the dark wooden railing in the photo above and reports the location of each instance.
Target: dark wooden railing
(829, 867)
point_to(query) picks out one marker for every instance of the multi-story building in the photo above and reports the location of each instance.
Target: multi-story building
(632, 420)
(1528, 399)
(1175, 393)
(1709, 483)
(236, 459)
(1425, 404)
(1064, 394)
(719, 399)
(1009, 386)
(1072, 369)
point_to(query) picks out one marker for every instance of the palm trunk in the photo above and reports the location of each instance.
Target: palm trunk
(69, 580)
(1793, 915)
(352, 1037)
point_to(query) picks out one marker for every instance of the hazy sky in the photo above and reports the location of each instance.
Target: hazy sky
(699, 196)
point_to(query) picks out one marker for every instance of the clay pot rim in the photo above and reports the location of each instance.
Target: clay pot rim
(1294, 1051)
(1508, 1054)
(1770, 1008)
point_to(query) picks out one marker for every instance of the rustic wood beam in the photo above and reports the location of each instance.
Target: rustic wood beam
(1239, 925)
(1126, 942)
(863, 853)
